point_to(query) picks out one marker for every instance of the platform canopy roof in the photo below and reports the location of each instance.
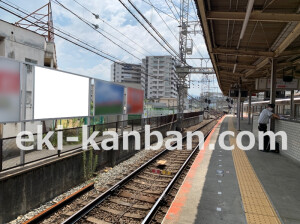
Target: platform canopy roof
(243, 36)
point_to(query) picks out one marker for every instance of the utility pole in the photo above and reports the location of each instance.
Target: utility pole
(184, 71)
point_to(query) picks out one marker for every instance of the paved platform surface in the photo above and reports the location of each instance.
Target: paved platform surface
(237, 186)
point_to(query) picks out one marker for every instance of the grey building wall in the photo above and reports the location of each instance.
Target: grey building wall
(21, 44)
(159, 77)
(126, 73)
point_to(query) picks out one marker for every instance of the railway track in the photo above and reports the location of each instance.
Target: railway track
(137, 197)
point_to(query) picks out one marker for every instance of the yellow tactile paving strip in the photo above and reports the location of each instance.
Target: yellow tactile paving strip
(257, 206)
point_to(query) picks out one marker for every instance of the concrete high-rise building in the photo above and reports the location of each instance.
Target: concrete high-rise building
(126, 73)
(159, 77)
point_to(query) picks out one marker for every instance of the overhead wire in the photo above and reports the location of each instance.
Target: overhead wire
(139, 21)
(151, 4)
(90, 24)
(18, 8)
(174, 7)
(172, 10)
(157, 78)
(94, 28)
(177, 7)
(93, 51)
(158, 9)
(163, 20)
(195, 11)
(107, 23)
(45, 29)
(154, 29)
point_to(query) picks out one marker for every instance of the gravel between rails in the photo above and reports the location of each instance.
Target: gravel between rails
(105, 178)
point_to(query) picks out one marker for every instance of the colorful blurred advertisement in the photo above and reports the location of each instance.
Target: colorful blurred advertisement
(9, 91)
(135, 101)
(109, 98)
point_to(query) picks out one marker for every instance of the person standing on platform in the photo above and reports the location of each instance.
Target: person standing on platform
(263, 120)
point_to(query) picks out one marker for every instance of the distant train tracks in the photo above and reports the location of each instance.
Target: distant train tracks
(136, 198)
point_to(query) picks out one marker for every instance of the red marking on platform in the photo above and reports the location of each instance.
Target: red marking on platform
(180, 199)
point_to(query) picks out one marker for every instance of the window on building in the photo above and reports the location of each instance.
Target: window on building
(31, 61)
(2, 47)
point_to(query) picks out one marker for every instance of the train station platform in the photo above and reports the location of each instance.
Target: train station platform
(237, 186)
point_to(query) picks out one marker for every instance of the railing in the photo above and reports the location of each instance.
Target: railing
(10, 154)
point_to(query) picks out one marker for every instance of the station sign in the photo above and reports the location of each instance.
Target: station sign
(234, 93)
(263, 84)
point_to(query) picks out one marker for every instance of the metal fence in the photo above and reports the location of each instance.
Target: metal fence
(11, 156)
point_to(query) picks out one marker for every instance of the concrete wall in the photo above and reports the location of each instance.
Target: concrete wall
(23, 190)
(292, 130)
(192, 121)
(255, 125)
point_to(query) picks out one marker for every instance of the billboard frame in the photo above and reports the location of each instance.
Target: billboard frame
(127, 101)
(22, 94)
(58, 118)
(20, 91)
(123, 104)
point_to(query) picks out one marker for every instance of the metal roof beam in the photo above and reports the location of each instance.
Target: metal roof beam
(232, 75)
(240, 52)
(280, 49)
(255, 16)
(239, 66)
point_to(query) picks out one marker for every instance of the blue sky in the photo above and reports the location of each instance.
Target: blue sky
(74, 59)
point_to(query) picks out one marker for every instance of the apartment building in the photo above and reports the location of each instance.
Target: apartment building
(159, 77)
(126, 73)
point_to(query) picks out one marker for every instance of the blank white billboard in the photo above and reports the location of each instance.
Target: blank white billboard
(60, 95)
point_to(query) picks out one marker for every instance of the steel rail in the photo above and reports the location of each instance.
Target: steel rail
(160, 200)
(89, 207)
(56, 207)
